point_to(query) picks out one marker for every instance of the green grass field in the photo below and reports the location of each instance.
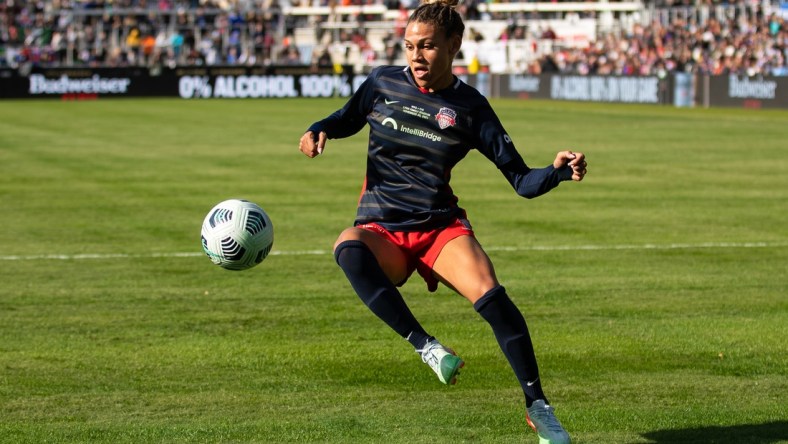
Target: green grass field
(656, 290)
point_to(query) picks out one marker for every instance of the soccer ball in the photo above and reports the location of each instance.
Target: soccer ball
(237, 234)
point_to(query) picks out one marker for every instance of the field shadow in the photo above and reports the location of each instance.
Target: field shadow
(768, 433)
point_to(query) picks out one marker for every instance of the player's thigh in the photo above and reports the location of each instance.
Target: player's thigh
(464, 266)
(390, 257)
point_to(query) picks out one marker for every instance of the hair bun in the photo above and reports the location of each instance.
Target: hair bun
(450, 3)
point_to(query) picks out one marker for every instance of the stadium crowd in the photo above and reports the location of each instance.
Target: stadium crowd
(249, 32)
(752, 45)
(135, 32)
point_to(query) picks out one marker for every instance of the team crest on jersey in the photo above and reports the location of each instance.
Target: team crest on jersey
(446, 117)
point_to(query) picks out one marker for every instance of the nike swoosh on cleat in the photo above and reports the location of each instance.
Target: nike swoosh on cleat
(390, 102)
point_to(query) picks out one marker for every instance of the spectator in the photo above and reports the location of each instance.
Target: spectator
(291, 55)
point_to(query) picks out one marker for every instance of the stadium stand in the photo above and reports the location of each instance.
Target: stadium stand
(594, 37)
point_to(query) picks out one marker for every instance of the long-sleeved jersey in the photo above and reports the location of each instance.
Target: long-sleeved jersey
(415, 139)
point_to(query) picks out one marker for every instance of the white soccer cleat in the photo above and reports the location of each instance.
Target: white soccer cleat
(541, 418)
(442, 361)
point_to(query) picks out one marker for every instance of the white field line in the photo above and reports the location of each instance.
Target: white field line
(712, 245)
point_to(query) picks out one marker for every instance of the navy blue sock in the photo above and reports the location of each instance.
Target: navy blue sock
(377, 292)
(512, 334)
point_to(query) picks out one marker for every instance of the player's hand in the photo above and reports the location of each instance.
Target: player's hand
(311, 147)
(576, 161)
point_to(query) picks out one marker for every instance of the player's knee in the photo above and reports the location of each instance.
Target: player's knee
(495, 293)
(349, 234)
(351, 254)
(480, 288)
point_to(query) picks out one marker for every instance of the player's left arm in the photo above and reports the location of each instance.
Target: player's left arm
(573, 160)
(529, 182)
(533, 182)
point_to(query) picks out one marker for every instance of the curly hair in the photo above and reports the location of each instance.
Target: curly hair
(441, 14)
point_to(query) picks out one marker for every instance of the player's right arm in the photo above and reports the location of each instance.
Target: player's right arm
(344, 122)
(312, 144)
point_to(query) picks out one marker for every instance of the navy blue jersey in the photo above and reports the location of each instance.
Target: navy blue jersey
(415, 139)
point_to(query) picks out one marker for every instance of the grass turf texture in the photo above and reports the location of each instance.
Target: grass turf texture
(655, 290)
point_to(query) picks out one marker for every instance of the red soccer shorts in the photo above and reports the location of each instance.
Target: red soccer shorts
(423, 247)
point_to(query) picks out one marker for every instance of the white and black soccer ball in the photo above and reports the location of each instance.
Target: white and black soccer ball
(237, 234)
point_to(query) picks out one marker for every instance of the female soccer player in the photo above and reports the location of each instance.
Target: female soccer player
(423, 121)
